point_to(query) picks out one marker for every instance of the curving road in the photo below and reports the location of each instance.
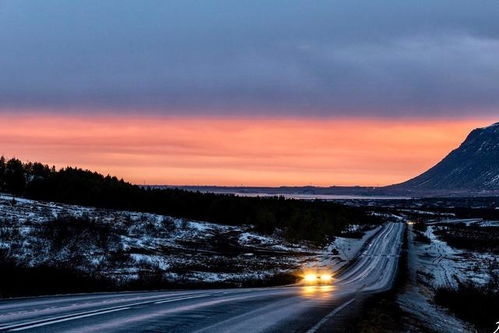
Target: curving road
(294, 308)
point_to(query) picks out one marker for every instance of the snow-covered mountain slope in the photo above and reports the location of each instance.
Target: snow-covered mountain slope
(473, 166)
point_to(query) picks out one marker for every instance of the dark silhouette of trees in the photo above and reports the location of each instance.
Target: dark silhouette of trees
(2, 173)
(316, 221)
(14, 176)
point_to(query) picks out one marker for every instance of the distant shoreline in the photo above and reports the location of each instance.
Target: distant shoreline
(329, 193)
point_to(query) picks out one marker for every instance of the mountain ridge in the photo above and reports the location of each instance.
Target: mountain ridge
(474, 166)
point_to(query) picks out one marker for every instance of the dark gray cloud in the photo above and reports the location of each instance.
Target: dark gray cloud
(366, 58)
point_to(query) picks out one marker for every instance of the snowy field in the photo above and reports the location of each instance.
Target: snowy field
(434, 264)
(125, 246)
(448, 265)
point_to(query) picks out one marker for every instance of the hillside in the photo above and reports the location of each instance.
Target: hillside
(473, 166)
(315, 221)
(49, 247)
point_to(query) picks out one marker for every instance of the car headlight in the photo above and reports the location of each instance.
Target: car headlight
(310, 277)
(326, 277)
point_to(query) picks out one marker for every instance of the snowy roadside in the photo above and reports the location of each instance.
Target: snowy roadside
(449, 265)
(434, 264)
(343, 249)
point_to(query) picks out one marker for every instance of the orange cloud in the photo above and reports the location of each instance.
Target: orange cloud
(229, 151)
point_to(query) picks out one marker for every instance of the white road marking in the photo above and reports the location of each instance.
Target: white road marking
(180, 299)
(53, 320)
(66, 319)
(329, 315)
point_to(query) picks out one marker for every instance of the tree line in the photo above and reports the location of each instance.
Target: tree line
(315, 221)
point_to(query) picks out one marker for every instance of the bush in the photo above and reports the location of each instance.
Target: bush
(78, 233)
(421, 238)
(475, 238)
(474, 304)
(18, 280)
(420, 226)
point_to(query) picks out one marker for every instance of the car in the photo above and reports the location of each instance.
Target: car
(314, 278)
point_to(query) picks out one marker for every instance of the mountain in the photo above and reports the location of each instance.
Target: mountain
(473, 166)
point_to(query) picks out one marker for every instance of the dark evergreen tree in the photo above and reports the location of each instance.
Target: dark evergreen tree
(37, 171)
(2, 173)
(15, 176)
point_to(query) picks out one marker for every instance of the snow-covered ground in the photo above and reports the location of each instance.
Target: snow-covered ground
(437, 264)
(124, 245)
(448, 265)
(465, 221)
(132, 243)
(417, 298)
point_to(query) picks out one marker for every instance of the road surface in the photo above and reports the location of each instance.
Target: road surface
(296, 308)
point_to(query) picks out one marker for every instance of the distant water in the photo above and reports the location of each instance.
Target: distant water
(318, 196)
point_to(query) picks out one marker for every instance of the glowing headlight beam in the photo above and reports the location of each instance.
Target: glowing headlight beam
(310, 277)
(326, 277)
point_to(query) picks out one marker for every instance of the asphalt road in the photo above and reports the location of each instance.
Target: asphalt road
(297, 308)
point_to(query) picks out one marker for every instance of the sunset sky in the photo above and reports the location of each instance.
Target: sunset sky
(246, 92)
